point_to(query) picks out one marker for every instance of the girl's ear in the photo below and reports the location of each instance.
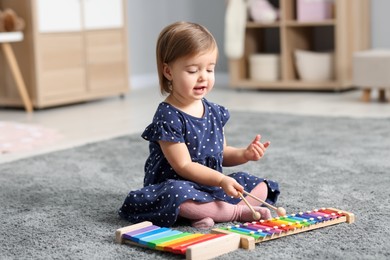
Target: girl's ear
(167, 71)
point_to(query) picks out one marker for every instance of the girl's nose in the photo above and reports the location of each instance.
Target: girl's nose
(202, 76)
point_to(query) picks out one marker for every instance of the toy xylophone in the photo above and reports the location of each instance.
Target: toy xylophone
(193, 246)
(263, 230)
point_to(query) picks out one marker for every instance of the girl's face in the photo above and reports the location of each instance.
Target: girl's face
(192, 77)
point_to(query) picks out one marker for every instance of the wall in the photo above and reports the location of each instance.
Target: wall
(145, 23)
(380, 19)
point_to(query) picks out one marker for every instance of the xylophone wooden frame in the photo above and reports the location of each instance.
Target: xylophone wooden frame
(249, 242)
(204, 250)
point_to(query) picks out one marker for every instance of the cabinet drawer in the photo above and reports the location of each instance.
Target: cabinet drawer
(62, 67)
(106, 59)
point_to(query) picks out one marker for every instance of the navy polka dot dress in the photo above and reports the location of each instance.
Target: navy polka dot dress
(164, 190)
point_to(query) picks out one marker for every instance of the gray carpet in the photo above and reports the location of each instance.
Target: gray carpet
(63, 205)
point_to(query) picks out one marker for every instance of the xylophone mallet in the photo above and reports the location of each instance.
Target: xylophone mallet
(280, 211)
(256, 215)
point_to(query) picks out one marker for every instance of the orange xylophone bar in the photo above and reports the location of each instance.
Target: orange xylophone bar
(193, 246)
(264, 230)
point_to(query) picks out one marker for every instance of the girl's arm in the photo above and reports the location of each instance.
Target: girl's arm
(179, 158)
(233, 156)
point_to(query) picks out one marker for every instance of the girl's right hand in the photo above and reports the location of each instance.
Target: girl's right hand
(231, 186)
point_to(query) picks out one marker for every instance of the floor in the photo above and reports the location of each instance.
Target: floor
(103, 119)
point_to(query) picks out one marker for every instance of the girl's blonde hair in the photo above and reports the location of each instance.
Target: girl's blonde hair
(178, 40)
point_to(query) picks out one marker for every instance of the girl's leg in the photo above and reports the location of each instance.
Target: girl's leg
(203, 215)
(260, 191)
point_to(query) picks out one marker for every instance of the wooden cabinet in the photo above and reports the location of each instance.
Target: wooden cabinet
(74, 50)
(345, 33)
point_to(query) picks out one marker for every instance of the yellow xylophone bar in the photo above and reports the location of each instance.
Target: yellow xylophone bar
(264, 230)
(194, 246)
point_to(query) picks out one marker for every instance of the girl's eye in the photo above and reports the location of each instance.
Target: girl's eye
(211, 71)
(192, 71)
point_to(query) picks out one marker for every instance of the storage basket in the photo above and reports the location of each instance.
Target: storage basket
(264, 67)
(314, 66)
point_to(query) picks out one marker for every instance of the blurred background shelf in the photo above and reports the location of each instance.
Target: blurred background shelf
(73, 51)
(347, 31)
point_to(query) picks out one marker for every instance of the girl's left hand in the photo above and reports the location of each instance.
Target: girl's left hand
(256, 149)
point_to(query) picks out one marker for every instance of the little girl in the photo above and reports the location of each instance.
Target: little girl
(183, 173)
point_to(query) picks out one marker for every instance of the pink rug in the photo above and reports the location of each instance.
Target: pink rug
(17, 137)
